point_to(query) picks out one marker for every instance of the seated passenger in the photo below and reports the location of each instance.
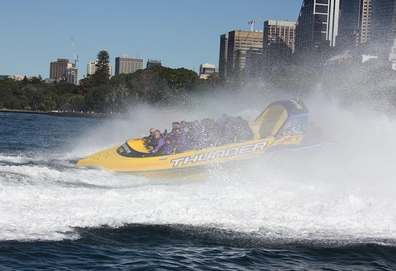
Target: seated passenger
(212, 132)
(227, 133)
(197, 136)
(160, 142)
(168, 147)
(150, 141)
(245, 133)
(180, 141)
(174, 126)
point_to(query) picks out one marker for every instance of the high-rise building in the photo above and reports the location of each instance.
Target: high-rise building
(127, 65)
(206, 69)
(238, 43)
(253, 64)
(153, 62)
(91, 68)
(278, 43)
(58, 68)
(317, 24)
(383, 25)
(223, 46)
(71, 75)
(355, 23)
(223, 53)
(110, 70)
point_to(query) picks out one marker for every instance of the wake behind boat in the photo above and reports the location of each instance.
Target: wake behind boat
(282, 125)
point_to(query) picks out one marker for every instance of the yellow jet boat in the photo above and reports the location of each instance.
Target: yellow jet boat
(281, 125)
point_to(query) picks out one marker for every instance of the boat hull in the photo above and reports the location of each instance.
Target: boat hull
(192, 162)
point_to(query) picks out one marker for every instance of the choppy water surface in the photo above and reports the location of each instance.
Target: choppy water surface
(327, 209)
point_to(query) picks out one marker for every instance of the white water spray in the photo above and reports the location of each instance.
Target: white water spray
(346, 191)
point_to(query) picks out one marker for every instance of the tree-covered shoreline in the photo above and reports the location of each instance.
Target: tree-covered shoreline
(350, 82)
(156, 85)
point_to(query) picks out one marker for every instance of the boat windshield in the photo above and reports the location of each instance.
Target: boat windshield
(127, 151)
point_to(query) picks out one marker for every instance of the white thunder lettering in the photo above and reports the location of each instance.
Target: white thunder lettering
(177, 161)
(221, 153)
(232, 151)
(201, 159)
(259, 146)
(246, 149)
(189, 159)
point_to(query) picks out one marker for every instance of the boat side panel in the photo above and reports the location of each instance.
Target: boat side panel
(110, 160)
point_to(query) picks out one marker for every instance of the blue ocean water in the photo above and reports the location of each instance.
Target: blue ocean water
(321, 210)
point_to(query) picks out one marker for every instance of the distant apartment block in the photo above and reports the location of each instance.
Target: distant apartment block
(281, 33)
(11, 77)
(278, 43)
(127, 65)
(206, 69)
(91, 68)
(355, 23)
(223, 46)
(317, 25)
(235, 46)
(71, 75)
(383, 25)
(58, 68)
(253, 65)
(153, 62)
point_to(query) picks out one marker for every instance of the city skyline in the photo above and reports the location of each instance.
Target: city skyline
(179, 33)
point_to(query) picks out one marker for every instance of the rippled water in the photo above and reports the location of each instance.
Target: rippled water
(326, 209)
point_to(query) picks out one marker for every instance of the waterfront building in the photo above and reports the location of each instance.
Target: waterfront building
(91, 68)
(223, 52)
(153, 62)
(238, 43)
(127, 65)
(206, 69)
(383, 26)
(253, 64)
(317, 25)
(278, 43)
(355, 23)
(71, 75)
(51, 80)
(58, 68)
(11, 77)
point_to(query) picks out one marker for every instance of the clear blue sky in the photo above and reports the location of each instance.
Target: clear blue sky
(182, 33)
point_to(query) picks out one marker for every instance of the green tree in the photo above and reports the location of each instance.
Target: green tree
(8, 90)
(101, 76)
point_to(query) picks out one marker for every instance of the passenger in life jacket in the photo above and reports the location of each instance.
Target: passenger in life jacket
(197, 136)
(160, 142)
(168, 147)
(150, 141)
(180, 141)
(175, 125)
(245, 133)
(227, 133)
